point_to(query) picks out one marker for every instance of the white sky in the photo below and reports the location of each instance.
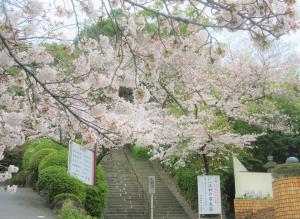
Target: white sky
(234, 39)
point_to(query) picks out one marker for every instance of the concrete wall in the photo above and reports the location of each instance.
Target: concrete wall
(253, 184)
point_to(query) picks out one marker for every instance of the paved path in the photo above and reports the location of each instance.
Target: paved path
(25, 204)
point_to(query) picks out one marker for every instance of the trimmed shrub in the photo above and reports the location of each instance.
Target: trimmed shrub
(139, 152)
(38, 157)
(55, 180)
(48, 175)
(95, 201)
(69, 211)
(67, 184)
(66, 196)
(31, 178)
(20, 178)
(36, 145)
(58, 158)
(286, 170)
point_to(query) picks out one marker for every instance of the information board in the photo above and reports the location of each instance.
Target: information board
(209, 195)
(81, 163)
(151, 184)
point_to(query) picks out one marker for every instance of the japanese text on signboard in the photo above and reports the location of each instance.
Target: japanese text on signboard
(81, 163)
(209, 195)
(152, 184)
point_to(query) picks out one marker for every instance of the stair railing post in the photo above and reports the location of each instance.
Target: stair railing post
(151, 206)
(151, 188)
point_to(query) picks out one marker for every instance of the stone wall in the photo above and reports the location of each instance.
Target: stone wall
(266, 213)
(287, 198)
(249, 208)
(284, 205)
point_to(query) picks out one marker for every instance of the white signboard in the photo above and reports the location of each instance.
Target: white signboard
(81, 163)
(152, 184)
(209, 195)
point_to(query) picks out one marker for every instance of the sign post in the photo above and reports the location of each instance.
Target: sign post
(209, 195)
(81, 163)
(151, 191)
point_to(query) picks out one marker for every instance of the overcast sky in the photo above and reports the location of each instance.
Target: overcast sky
(234, 39)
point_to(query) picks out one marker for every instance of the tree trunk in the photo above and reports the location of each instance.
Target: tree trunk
(206, 164)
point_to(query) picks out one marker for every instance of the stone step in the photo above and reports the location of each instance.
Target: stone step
(128, 197)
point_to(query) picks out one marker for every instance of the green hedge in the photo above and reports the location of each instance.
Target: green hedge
(67, 184)
(38, 157)
(48, 175)
(139, 152)
(33, 146)
(69, 211)
(46, 164)
(58, 158)
(95, 201)
(55, 180)
(35, 160)
(20, 178)
(31, 179)
(286, 170)
(66, 196)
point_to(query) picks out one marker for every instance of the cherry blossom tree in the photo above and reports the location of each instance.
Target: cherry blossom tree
(164, 52)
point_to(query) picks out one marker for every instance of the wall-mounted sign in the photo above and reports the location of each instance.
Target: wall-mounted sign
(209, 195)
(81, 163)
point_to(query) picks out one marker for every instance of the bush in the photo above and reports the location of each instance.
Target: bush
(20, 178)
(58, 158)
(286, 170)
(66, 196)
(186, 179)
(69, 211)
(31, 178)
(48, 175)
(95, 201)
(35, 160)
(55, 180)
(38, 157)
(67, 184)
(139, 152)
(50, 165)
(33, 146)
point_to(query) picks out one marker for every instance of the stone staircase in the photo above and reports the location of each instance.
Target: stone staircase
(128, 190)
(125, 196)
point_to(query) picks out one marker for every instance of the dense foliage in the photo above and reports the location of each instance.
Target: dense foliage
(47, 172)
(33, 146)
(140, 152)
(286, 170)
(66, 196)
(59, 158)
(95, 201)
(12, 156)
(64, 183)
(38, 156)
(48, 175)
(69, 211)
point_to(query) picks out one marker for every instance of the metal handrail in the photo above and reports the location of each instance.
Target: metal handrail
(144, 195)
